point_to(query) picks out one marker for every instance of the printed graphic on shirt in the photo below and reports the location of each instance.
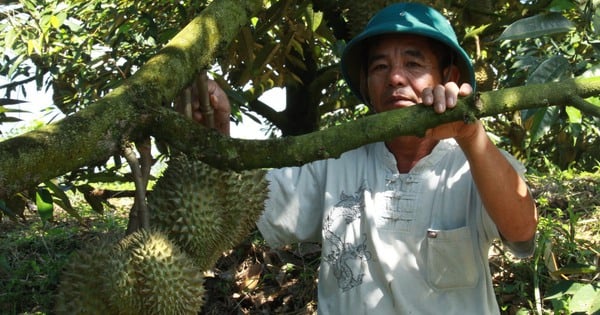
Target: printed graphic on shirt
(341, 256)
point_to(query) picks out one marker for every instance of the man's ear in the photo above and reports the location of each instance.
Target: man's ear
(451, 74)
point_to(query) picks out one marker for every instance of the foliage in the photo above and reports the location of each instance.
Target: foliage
(81, 50)
(561, 277)
(548, 47)
(87, 47)
(253, 278)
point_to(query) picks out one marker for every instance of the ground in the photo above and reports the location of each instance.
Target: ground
(255, 279)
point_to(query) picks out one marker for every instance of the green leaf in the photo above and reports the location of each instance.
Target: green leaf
(562, 5)
(313, 18)
(541, 122)
(15, 65)
(579, 298)
(10, 36)
(9, 101)
(62, 199)
(8, 119)
(6, 210)
(536, 26)
(552, 69)
(574, 115)
(44, 203)
(55, 21)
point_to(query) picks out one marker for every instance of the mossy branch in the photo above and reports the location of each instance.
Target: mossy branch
(134, 110)
(224, 152)
(92, 135)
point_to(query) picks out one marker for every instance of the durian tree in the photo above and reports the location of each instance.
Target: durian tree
(119, 70)
(124, 95)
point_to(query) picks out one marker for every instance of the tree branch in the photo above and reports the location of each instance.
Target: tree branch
(236, 154)
(585, 106)
(95, 133)
(133, 111)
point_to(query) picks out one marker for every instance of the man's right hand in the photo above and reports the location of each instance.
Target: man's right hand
(219, 103)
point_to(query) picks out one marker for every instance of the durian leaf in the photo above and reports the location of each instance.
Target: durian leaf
(45, 204)
(574, 114)
(62, 199)
(94, 201)
(551, 69)
(6, 210)
(537, 26)
(10, 101)
(540, 120)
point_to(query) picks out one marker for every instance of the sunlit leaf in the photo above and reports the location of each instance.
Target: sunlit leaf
(314, 19)
(45, 204)
(536, 26)
(56, 23)
(10, 36)
(582, 298)
(574, 115)
(15, 65)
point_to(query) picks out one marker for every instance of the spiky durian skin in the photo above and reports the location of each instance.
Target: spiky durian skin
(145, 273)
(151, 275)
(79, 290)
(206, 210)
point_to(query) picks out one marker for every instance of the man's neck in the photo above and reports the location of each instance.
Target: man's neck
(409, 150)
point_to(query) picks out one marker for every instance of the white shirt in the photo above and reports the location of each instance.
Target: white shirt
(392, 243)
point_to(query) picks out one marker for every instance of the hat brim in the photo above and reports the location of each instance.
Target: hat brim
(354, 53)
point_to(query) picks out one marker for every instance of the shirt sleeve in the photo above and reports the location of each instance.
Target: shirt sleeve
(294, 207)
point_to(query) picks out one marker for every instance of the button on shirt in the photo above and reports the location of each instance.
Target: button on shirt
(392, 243)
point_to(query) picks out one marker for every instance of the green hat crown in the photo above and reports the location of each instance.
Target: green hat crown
(404, 18)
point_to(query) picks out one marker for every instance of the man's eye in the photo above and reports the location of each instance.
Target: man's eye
(378, 67)
(413, 64)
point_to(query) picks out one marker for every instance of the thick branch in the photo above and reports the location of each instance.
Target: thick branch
(585, 106)
(95, 133)
(236, 154)
(133, 110)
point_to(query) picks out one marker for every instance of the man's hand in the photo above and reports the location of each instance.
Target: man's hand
(219, 103)
(443, 97)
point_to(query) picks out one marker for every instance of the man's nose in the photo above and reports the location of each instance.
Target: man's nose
(397, 75)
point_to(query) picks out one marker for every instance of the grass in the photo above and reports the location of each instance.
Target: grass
(561, 278)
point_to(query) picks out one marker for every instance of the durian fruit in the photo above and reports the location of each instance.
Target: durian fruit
(149, 274)
(205, 210)
(484, 75)
(79, 288)
(144, 273)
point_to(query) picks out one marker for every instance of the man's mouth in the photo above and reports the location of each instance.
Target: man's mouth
(400, 101)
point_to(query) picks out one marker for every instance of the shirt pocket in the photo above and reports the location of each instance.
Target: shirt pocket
(450, 260)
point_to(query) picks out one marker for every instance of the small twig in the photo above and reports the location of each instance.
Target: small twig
(183, 102)
(585, 106)
(203, 97)
(144, 147)
(138, 217)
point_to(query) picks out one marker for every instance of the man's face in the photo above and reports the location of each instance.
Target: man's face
(399, 67)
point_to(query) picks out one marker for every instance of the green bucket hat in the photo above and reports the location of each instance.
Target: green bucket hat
(404, 18)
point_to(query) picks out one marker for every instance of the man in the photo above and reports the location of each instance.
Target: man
(406, 225)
